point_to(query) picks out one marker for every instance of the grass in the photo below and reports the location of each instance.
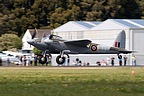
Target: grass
(75, 81)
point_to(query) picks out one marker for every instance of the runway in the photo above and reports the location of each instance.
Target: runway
(68, 67)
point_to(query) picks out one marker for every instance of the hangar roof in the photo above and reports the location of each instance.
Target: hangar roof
(120, 24)
(76, 26)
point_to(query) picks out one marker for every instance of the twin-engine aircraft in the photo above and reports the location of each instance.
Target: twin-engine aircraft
(56, 44)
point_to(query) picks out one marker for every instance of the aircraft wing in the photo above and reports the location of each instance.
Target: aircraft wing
(81, 43)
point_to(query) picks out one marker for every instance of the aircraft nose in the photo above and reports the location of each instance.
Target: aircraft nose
(31, 41)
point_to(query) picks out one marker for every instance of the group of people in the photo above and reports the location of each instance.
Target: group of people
(7, 61)
(78, 62)
(111, 60)
(121, 61)
(28, 61)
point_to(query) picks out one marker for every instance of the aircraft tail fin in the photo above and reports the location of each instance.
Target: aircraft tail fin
(120, 40)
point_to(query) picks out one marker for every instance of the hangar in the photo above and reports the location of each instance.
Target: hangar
(105, 33)
(74, 29)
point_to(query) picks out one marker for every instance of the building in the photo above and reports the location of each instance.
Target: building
(74, 29)
(106, 32)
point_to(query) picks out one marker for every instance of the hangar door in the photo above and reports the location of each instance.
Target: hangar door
(138, 45)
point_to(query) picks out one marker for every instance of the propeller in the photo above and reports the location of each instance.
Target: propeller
(34, 33)
(43, 38)
(36, 39)
(33, 39)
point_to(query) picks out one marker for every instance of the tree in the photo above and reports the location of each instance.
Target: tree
(37, 51)
(106, 9)
(18, 15)
(141, 3)
(9, 41)
(17, 43)
(128, 9)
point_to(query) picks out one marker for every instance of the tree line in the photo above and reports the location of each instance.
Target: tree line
(18, 15)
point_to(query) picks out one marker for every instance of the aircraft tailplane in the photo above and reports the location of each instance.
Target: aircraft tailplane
(120, 40)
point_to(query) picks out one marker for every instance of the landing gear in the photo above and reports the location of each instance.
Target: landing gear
(44, 58)
(60, 59)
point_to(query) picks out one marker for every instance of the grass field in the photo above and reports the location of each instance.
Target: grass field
(75, 81)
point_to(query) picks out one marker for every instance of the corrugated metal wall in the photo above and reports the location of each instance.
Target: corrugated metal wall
(138, 45)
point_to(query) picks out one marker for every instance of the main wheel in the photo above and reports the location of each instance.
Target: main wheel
(60, 60)
(42, 60)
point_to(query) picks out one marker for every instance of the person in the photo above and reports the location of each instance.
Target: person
(84, 63)
(28, 62)
(25, 60)
(112, 61)
(98, 63)
(0, 61)
(21, 58)
(31, 61)
(35, 60)
(133, 60)
(8, 61)
(77, 61)
(47, 62)
(68, 61)
(108, 60)
(125, 60)
(103, 62)
(80, 63)
(120, 61)
(88, 64)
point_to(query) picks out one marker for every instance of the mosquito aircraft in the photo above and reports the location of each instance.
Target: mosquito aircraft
(56, 44)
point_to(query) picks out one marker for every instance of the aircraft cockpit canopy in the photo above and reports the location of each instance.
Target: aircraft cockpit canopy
(55, 37)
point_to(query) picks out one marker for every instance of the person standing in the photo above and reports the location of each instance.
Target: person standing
(112, 61)
(0, 61)
(8, 61)
(133, 61)
(68, 61)
(77, 61)
(108, 60)
(120, 61)
(35, 60)
(125, 60)
(28, 62)
(25, 60)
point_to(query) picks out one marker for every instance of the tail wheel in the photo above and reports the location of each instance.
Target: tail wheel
(60, 60)
(120, 56)
(42, 60)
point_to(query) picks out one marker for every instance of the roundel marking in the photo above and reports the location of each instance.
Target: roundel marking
(93, 47)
